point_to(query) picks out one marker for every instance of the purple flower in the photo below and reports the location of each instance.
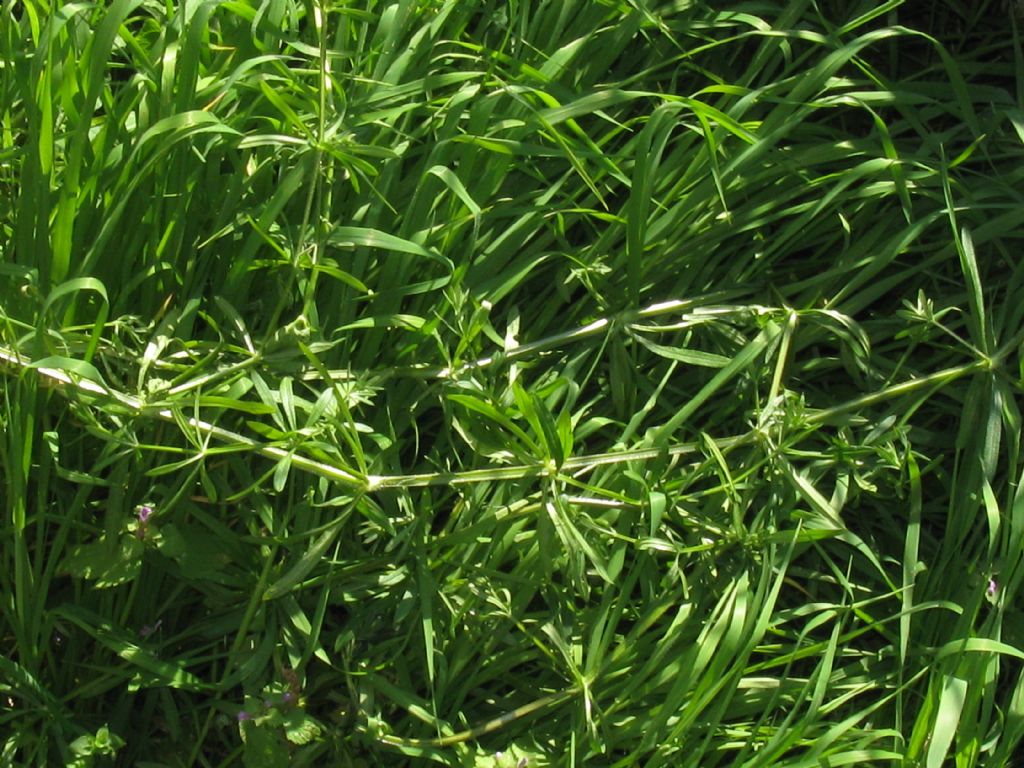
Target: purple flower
(992, 587)
(142, 515)
(243, 716)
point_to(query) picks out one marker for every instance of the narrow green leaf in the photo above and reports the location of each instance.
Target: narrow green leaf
(951, 703)
(346, 237)
(756, 347)
(310, 558)
(169, 673)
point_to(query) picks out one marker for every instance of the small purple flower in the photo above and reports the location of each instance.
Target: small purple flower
(142, 515)
(243, 716)
(992, 587)
(288, 697)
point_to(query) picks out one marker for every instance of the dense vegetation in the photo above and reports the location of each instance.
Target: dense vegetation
(590, 382)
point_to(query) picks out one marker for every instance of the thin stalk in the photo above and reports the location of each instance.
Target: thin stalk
(484, 728)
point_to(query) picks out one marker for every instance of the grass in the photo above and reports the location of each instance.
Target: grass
(511, 384)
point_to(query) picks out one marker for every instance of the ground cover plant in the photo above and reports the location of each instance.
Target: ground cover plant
(592, 382)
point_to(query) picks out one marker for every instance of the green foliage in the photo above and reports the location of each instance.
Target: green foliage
(273, 728)
(87, 748)
(510, 384)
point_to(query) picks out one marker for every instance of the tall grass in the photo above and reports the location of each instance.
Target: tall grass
(489, 384)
